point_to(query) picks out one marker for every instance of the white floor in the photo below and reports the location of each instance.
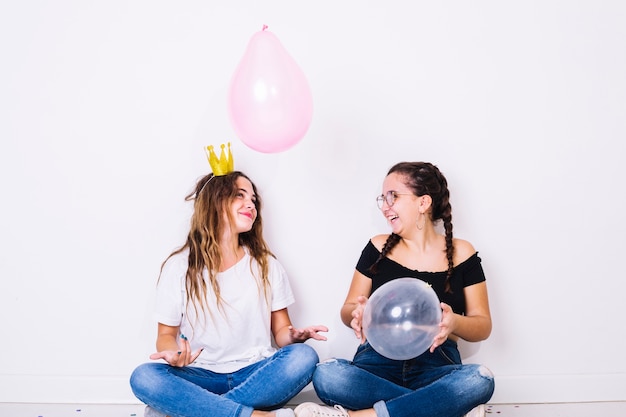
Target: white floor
(601, 409)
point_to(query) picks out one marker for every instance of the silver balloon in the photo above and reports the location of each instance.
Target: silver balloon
(401, 318)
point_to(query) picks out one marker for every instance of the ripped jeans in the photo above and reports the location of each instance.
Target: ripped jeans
(433, 384)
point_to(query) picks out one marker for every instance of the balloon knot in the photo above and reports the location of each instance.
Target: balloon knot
(264, 27)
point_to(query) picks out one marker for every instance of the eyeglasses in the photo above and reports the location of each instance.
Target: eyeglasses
(390, 198)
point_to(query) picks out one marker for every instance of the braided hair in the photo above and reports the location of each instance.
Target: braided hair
(424, 178)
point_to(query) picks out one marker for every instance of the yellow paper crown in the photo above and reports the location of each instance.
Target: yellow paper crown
(221, 166)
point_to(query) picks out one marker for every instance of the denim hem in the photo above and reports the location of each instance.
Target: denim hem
(381, 409)
(245, 411)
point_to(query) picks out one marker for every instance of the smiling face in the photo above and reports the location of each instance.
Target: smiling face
(406, 208)
(243, 206)
(403, 212)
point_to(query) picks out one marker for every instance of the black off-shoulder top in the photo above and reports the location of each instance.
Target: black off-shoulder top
(468, 272)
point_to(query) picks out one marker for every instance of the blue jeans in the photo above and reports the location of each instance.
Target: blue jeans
(433, 384)
(191, 391)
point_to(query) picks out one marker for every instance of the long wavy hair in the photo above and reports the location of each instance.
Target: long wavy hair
(212, 199)
(424, 178)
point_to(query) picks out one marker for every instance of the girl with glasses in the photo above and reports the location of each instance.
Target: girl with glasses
(415, 200)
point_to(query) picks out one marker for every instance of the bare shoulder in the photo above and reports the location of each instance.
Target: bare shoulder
(379, 241)
(462, 250)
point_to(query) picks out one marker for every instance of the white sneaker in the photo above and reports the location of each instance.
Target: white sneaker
(478, 411)
(316, 410)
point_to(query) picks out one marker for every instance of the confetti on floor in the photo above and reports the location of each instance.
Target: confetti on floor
(595, 409)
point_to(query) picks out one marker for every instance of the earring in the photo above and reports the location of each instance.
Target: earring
(418, 222)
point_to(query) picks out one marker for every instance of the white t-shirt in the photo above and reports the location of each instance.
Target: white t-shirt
(240, 333)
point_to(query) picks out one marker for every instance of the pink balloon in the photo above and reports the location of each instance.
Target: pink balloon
(270, 103)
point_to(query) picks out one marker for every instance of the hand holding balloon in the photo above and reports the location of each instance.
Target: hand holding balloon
(357, 318)
(446, 326)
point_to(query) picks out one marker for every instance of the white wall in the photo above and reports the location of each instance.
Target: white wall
(105, 107)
